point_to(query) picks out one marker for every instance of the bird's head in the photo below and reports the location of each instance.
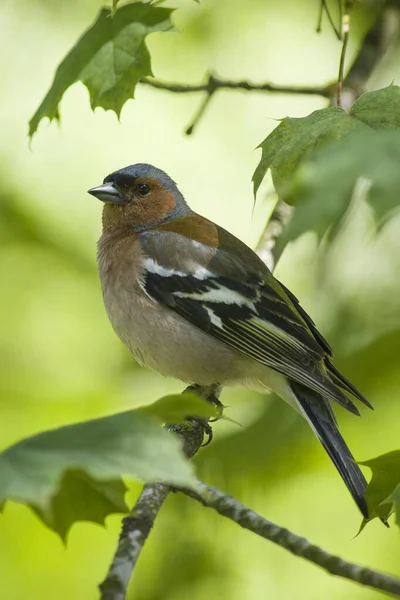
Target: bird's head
(139, 197)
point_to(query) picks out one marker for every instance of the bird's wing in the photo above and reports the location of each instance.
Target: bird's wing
(230, 294)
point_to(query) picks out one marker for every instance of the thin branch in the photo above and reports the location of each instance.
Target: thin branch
(324, 8)
(213, 84)
(266, 246)
(345, 35)
(372, 49)
(320, 15)
(218, 83)
(211, 87)
(200, 112)
(135, 530)
(248, 519)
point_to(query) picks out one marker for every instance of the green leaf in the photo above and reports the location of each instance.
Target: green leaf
(82, 498)
(379, 109)
(74, 472)
(383, 490)
(295, 141)
(175, 408)
(394, 498)
(110, 58)
(364, 165)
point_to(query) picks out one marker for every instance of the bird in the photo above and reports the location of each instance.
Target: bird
(192, 301)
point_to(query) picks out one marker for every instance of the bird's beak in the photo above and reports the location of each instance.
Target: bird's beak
(107, 193)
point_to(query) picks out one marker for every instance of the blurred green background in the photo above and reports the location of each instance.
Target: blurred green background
(60, 361)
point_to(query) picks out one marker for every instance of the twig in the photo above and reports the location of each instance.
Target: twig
(232, 509)
(320, 15)
(138, 524)
(374, 46)
(345, 35)
(218, 83)
(213, 84)
(211, 87)
(323, 7)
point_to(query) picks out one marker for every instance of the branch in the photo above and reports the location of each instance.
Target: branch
(138, 524)
(266, 245)
(135, 530)
(217, 83)
(372, 49)
(213, 83)
(232, 509)
(323, 8)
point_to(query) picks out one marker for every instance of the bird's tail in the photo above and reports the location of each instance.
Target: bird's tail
(320, 417)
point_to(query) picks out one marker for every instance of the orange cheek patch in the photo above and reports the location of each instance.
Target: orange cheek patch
(154, 207)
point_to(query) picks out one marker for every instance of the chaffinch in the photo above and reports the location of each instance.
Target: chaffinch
(192, 301)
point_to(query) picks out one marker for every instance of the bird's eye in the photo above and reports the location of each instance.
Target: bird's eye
(143, 189)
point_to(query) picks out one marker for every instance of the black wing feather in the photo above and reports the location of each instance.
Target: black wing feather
(232, 296)
(283, 344)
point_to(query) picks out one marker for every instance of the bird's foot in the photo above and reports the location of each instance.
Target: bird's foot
(203, 423)
(211, 394)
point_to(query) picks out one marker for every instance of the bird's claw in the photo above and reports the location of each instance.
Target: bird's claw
(211, 394)
(218, 405)
(206, 428)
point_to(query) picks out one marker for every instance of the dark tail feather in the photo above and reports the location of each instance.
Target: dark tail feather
(342, 381)
(319, 415)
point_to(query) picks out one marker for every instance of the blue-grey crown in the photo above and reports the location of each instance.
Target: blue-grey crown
(127, 176)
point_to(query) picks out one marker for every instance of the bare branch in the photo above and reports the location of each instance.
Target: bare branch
(371, 51)
(217, 83)
(323, 7)
(211, 87)
(213, 84)
(135, 530)
(276, 224)
(235, 511)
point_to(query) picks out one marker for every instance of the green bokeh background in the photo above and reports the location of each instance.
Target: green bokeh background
(60, 361)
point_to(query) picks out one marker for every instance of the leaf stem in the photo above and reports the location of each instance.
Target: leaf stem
(345, 36)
